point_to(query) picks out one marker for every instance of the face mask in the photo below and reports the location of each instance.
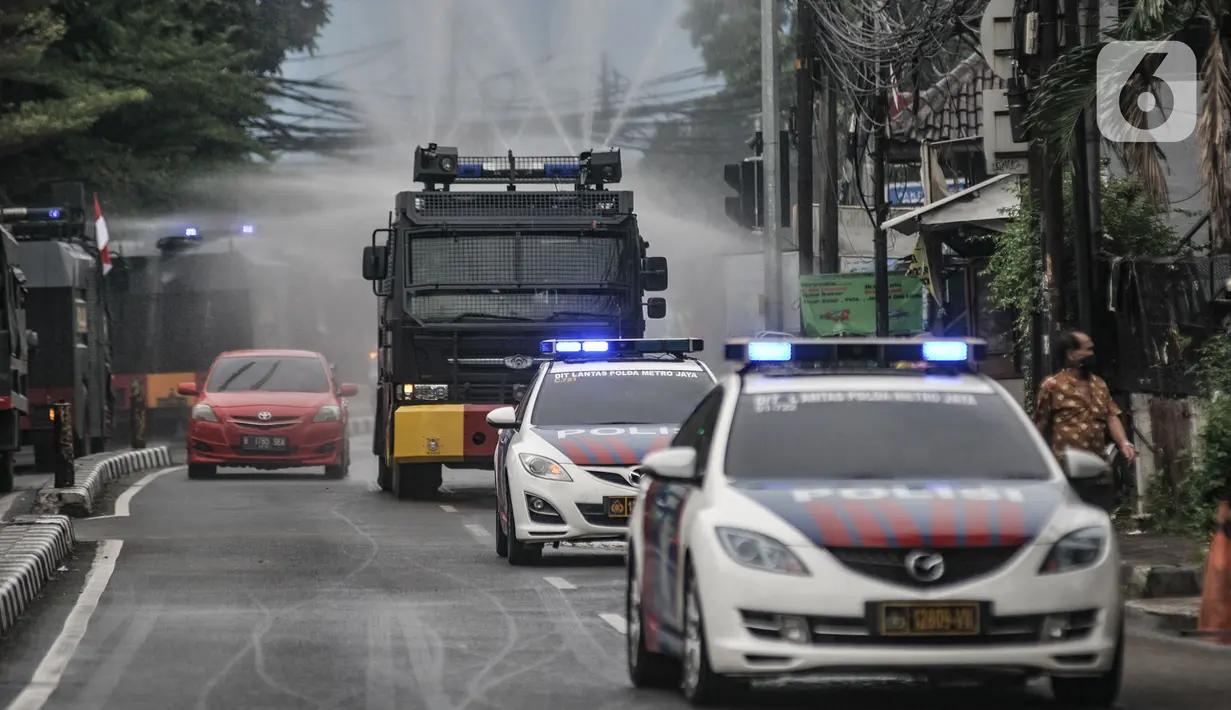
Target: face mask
(1087, 364)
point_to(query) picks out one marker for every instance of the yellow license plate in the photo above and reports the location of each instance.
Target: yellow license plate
(910, 619)
(618, 507)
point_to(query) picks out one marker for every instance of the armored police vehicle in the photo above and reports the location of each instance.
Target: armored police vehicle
(469, 283)
(66, 307)
(15, 352)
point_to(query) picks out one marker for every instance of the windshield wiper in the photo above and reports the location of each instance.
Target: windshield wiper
(492, 316)
(264, 378)
(578, 314)
(235, 375)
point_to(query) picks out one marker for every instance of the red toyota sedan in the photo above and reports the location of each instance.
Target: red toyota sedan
(268, 409)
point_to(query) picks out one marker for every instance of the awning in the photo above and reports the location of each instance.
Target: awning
(981, 205)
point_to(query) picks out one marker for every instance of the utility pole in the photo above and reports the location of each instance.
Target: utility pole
(831, 261)
(770, 126)
(880, 240)
(1083, 241)
(804, 115)
(1052, 189)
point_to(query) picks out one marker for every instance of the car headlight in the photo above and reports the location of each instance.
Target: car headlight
(543, 467)
(760, 552)
(203, 413)
(423, 393)
(1076, 550)
(328, 413)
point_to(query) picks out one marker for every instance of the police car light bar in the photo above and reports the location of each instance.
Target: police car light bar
(837, 350)
(32, 213)
(621, 346)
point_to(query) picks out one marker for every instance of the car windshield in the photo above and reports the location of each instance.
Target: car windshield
(880, 435)
(268, 374)
(596, 397)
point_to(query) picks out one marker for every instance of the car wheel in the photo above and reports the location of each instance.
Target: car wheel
(701, 686)
(646, 669)
(1100, 691)
(202, 470)
(520, 553)
(342, 468)
(502, 540)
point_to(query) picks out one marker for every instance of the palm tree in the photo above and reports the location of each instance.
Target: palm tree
(1070, 87)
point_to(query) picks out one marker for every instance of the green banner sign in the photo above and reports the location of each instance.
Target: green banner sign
(845, 304)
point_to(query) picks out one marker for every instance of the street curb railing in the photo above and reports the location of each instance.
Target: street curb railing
(92, 474)
(31, 550)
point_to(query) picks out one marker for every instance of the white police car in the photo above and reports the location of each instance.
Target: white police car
(817, 514)
(565, 456)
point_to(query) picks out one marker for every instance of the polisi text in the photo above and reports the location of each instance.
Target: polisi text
(909, 493)
(620, 431)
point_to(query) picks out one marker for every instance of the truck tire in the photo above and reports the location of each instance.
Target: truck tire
(44, 458)
(417, 481)
(384, 475)
(8, 467)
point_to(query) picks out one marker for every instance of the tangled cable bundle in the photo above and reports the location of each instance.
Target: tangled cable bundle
(915, 39)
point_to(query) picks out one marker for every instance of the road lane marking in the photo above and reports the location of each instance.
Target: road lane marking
(477, 530)
(51, 669)
(448, 509)
(560, 583)
(123, 503)
(616, 621)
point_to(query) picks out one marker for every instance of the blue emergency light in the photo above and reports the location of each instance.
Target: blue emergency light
(621, 347)
(190, 232)
(248, 229)
(53, 214)
(822, 351)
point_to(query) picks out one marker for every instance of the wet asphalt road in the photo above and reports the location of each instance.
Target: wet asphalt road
(288, 591)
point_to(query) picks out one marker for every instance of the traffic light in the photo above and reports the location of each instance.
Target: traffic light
(747, 179)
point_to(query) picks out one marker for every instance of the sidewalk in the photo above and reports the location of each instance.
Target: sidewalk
(1162, 576)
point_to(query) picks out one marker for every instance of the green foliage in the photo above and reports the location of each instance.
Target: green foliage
(1189, 507)
(134, 96)
(1132, 226)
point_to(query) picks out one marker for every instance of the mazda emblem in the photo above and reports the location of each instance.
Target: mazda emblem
(925, 566)
(264, 416)
(518, 362)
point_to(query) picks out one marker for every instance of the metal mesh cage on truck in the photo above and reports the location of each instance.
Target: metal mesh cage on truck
(530, 276)
(518, 259)
(430, 207)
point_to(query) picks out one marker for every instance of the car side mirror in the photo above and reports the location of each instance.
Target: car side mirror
(654, 273)
(348, 390)
(678, 463)
(1083, 465)
(186, 389)
(375, 263)
(502, 418)
(655, 308)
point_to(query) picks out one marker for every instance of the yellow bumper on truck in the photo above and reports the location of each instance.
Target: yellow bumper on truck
(443, 433)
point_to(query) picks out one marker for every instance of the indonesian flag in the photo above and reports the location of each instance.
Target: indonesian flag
(103, 239)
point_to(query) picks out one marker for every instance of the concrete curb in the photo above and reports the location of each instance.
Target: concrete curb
(1177, 614)
(91, 476)
(360, 425)
(31, 550)
(1158, 581)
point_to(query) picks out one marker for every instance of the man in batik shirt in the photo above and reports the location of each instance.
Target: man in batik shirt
(1075, 408)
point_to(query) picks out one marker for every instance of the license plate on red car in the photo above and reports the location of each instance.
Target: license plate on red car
(263, 443)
